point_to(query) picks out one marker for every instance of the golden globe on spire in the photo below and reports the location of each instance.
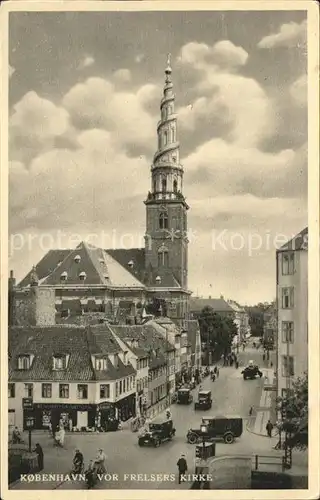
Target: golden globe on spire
(168, 68)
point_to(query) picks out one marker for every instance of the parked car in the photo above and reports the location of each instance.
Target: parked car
(158, 431)
(184, 396)
(251, 371)
(218, 427)
(204, 401)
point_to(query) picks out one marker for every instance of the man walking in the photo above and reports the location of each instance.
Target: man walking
(269, 428)
(182, 466)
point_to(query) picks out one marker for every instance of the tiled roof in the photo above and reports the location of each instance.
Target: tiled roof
(123, 256)
(43, 343)
(193, 329)
(299, 242)
(76, 341)
(147, 336)
(86, 319)
(218, 305)
(46, 265)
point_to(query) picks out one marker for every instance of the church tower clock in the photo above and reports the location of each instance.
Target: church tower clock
(166, 242)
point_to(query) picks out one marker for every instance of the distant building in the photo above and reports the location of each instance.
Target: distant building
(270, 325)
(241, 319)
(292, 311)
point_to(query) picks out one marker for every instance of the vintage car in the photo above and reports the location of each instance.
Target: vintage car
(251, 371)
(204, 401)
(158, 431)
(218, 427)
(184, 396)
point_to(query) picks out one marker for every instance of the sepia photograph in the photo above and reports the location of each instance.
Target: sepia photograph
(156, 278)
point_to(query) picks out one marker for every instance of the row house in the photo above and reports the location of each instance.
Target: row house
(161, 368)
(78, 374)
(292, 311)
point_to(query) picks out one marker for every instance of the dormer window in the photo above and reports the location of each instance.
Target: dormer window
(64, 276)
(77, 259)
(82, 276)
(24, 362)
(59, 362)
(130, 263)
(100, 364)
(101, 261)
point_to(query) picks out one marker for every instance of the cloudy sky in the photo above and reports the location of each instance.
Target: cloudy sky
(85, 90)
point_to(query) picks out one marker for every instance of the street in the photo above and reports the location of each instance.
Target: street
(231, 396)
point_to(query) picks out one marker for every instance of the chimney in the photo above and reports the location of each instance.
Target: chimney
(12, 281)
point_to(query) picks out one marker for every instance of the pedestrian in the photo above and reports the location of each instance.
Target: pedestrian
(100, 461)
(251, 411)
(271, 364)
(269, 428)
(39, 452)
(62, 433)
(182, 466)
(16, 436)
(70, 425)
(217, 373)
(263, 357)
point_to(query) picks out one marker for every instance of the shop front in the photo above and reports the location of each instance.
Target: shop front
(79, 416)
(126, 407)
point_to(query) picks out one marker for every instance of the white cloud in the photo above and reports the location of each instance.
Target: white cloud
(299, 90)
(122, 75)
(218, 167)
(225, 53)
(289, 35)
(34, 124)
(96, 104)
(75, 188)
(86, 62)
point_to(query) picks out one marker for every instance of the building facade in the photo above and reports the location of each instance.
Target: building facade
(292, 311)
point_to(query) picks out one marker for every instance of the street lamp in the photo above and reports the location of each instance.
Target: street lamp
(204, 432)
(30, 426)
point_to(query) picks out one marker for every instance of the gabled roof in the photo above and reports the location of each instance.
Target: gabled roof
(78, 342)
(100, 268)
(218, 305)
(299, 242)
(43, 343)
(147, 336)
(46, 266)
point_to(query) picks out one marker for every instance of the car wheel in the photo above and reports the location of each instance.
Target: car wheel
(228, 438)
(140, 443)
(244, 377)
(192, 438)
(156, 443)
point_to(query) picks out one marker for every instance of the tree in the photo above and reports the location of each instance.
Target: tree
(217, 331)
(294, 411)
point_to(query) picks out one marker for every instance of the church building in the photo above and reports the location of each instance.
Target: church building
(127, 283)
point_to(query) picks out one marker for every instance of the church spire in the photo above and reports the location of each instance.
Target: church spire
(167, 172)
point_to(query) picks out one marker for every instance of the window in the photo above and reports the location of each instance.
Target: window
(288, 263)
(173, 134)
(82, 276)
(165, 138)
(105, 391)
(64, 276)
(287, 331)
(64, 391)
(59, 362)
(120, 387)
(65, 313)
(28, 390)
(286, 393)
(127, 384)
(163, 220)
(163, 258)
(287, 298)
(100, 364)
(287, 366)
(24, 362)
(46, 390)
(175, 185)
(117, 389)
(154, 186)
(164, 185)
(11, 390)
(82, 391)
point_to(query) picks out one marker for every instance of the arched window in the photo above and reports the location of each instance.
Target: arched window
(163, 257)
(159, 141)
(165, 138)
(154, 186)
(170, 109)
(175, 185)
(173, 134)
(164, 185)
(163, 220)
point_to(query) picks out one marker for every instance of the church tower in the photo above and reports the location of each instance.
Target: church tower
(166, 242)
